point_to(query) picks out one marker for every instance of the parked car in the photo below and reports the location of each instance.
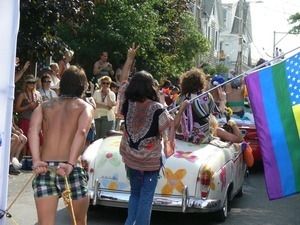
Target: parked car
(196, 179)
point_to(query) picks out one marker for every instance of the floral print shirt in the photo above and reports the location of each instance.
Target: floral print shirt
(149, 129)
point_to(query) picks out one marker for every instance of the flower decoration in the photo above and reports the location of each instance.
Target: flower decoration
(173, 181)
(111, 157)
(223, 177)
(113, 183)
(186, 155)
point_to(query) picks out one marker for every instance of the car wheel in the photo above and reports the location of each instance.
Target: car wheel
(221, 215)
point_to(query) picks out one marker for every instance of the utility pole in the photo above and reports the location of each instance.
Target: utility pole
(241, 31)
(274, 39)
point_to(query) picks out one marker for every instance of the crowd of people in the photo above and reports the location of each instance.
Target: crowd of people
(61, 94)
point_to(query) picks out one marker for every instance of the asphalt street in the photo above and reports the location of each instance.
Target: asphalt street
(254, 208)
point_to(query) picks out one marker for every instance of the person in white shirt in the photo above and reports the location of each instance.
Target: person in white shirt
(281, 53)
(119, 71)
(104, 114)
(45, 90)
(54, 77)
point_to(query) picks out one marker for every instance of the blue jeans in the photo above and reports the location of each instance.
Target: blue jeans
(143, 184)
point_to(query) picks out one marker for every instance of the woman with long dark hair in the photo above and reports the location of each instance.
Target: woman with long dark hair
(149, 128)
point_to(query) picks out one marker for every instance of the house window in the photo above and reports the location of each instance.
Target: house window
(208, 32)
(216, 40)
(225, 12)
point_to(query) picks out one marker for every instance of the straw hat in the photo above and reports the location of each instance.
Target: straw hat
(30, 78)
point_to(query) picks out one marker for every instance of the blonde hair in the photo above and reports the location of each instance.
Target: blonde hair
(69, 53)
(213, 124)
(24, 85)
(53, 65)
(104, 78)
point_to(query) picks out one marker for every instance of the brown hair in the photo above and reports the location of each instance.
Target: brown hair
(44, 77)
(192, 81)
(73, 82)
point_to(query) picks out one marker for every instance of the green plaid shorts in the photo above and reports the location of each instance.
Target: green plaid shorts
(51, 184)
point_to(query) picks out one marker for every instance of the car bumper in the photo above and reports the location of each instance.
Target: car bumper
(184, 203)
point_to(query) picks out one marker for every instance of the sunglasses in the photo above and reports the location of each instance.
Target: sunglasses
(2, 213)
(47, 81)
(30, 82)
(105, 83)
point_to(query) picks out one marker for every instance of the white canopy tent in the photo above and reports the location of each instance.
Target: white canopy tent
(9, 26)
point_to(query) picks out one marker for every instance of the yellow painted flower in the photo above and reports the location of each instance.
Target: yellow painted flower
(113, 185)
(173, 181)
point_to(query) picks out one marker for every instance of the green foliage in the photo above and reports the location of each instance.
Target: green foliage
(209, 70)
(167, 34)
(295, 19)
(37, 36)
(221, 69)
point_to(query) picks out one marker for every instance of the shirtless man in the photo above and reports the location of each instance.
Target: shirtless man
(102, 67)
(65, 122)
(235, 96)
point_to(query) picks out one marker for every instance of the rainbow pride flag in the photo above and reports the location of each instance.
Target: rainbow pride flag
(274, 93)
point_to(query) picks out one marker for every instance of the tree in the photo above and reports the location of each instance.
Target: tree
(167, 33)
(221, 69)
(295, 19)
(38, 36)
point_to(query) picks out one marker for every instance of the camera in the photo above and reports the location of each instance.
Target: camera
(88, 94)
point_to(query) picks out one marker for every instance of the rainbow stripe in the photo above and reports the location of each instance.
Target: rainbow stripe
(274, 94)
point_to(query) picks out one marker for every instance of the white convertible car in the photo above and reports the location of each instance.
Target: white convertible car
(197, 178)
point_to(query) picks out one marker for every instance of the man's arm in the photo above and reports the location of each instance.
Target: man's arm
(96, 68)
(20, 73)
(35, 128)
(84, 123)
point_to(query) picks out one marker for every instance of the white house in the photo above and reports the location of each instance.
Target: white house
(237, 20)
(228, 33)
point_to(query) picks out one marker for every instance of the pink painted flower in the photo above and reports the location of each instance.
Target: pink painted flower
(186, 155)
(223, 177)
(109, 155)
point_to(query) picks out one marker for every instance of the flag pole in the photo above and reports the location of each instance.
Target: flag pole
(266, 63)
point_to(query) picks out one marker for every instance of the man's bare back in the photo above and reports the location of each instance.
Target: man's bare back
(65, 122)
(235, 96)
(61, 117)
